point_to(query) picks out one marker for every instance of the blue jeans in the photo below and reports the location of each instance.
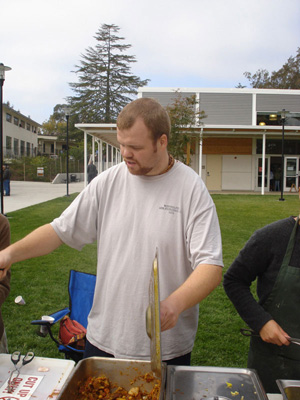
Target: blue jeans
(6, 185)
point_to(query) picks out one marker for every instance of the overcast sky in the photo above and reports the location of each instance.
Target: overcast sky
(177, 43)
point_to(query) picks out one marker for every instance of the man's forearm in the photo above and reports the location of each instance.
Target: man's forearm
(203, 280)
(41, 241)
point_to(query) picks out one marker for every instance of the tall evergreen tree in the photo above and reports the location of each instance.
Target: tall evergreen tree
(105, 83)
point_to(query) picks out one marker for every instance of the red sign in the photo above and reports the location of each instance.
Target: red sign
(22, 387)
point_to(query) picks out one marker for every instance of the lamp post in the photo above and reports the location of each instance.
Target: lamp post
(283, 118)
(3, 68)
(67, 112)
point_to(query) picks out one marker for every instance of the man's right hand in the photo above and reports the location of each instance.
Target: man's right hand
(271, 332)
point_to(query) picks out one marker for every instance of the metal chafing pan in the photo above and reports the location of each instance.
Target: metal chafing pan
(195, 383)
(121, 372)
(290, 389)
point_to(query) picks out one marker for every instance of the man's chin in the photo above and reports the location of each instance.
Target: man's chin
(138, 171)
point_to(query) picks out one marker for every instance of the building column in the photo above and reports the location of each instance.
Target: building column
(200, 152)
(263, 164)
(85, 158)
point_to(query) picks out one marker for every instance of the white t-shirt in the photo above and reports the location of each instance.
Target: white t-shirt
(130, 216)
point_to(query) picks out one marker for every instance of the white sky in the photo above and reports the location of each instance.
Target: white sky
(186, 43)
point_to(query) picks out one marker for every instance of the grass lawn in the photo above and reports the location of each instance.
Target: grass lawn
(43, 281)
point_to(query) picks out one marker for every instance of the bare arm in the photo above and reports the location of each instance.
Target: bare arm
(41, 241)
(203, 280)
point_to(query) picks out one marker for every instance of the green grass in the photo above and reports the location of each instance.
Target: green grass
(43, 281)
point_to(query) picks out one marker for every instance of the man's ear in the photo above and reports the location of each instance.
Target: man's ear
(163, 140)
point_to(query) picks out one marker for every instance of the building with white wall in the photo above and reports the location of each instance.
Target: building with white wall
(20, 134)
(239, 145)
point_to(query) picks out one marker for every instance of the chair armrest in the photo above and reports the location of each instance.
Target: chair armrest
(70, 348)
(58, 315)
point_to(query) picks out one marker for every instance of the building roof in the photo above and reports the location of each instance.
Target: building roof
(227, 117)
(27, 118)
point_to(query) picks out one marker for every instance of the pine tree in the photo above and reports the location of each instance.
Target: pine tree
(105, 83)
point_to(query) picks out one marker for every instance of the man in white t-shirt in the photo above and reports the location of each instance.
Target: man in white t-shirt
(148, 202)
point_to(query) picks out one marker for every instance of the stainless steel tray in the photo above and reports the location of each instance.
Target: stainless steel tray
(195, 383)
(117, 371)
(290, 389)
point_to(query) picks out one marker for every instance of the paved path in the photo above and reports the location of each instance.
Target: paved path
(25, 194)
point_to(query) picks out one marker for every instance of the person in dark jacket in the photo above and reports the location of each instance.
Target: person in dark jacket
(272, 256)
(6, 180)
(91, 171)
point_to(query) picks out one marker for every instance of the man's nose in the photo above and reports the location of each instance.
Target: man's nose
(126, 152)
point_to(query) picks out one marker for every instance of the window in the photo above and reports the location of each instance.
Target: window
(22, 124)
(274, 118)
(8, 143)
(8, 117)
(28, 126)
(27, 149)
(22, 148)
(16, 147)
(16, 121)
(273, 146)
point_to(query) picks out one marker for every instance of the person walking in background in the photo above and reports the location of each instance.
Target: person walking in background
(277, 177)
(272, 256)
(5, 283)
(91, 171)
(272, 186)
(6, 179)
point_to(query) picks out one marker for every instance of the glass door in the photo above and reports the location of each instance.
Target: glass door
(259, 177)
(291, 167)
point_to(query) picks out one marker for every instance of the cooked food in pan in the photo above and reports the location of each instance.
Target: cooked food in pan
(94, 388)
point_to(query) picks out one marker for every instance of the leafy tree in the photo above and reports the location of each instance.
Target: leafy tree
(105, 83)
(287, 77)
(57, 124)
(183, 116)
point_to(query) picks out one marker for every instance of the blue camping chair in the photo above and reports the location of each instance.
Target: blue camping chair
(81, 295)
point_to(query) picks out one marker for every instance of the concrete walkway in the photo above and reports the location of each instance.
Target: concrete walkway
(25, 194)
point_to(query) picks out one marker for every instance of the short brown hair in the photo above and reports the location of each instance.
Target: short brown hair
(155, 117)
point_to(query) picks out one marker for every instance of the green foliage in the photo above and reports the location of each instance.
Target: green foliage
(57, 124)
(183, 115)
(105, 83)
(287, 77)
(43, 281)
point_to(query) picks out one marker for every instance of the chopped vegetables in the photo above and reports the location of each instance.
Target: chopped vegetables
(100, 388)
